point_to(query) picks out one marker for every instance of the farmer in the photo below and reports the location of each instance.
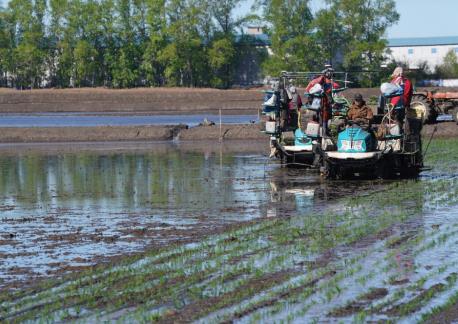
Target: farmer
(402, 102)
(359, 112)
(296, 101)
(399, 79)
(326, 82)
(284, 107)
(294, 106)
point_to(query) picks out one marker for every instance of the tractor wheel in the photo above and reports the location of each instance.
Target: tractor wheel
(328, 171)
(423, 109)
(454, 113)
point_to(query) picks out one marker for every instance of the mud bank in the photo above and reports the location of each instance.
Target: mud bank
(88, 134)
(128, 133)
(168, 101)
(151, 100)
(162, 133)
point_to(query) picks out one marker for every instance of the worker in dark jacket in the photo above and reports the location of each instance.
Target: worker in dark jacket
(284, 107)
(359, 112)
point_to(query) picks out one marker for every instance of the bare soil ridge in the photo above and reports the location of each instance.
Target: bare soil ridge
(148, 100)
(141, 100)
(129, 133)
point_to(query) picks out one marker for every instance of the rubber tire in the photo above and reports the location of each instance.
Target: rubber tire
(430, 114)
(327, 170)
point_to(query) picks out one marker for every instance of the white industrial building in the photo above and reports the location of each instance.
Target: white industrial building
(415, 51)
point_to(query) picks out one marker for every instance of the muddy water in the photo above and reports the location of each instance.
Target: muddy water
(64, 210)
(61, 210)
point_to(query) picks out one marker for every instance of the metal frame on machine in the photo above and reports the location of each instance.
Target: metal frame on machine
(307, 76)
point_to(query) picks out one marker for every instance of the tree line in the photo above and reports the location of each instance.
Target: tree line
(197, 43)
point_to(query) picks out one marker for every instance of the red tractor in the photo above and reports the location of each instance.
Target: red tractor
(429, 105)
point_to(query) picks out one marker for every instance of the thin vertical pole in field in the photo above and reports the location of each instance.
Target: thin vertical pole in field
(220, 127)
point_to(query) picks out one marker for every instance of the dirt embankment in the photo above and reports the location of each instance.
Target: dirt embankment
(148, 100)
(166, 101)
(88, 134)
(129, 133)
(163, 133)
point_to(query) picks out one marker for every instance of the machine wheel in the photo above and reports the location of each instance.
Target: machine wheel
(328, 171)
(423, 109)
(409, 173)
(454, 113)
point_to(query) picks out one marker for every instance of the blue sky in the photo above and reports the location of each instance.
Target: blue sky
(419, 18)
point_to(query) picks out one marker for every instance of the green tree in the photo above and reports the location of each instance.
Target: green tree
(185, 56)
(357, 32)
(125, 67)
(222, 51)
(59, 57)
(221, 59)
(85, 66)
(30, 43)
(291, 33)
(6, 47)
(328, 34)
(151, 68)
(107, 41)
(449, 67)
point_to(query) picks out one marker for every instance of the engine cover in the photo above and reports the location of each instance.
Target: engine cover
(354, 140)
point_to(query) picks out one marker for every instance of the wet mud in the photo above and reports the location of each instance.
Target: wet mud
(222, 235)
(130, 133)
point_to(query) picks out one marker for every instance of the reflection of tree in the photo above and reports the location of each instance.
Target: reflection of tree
(158, 178)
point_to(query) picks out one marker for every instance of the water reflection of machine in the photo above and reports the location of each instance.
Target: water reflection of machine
(291, 192)
(301, 198)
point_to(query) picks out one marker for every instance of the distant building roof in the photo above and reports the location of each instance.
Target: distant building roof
(423, 41)
(264, 40)
(257, 39)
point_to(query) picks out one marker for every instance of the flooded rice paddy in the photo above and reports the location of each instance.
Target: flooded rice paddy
(218, 234)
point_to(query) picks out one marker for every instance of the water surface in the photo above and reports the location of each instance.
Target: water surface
(78, 119)
(64, 209)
